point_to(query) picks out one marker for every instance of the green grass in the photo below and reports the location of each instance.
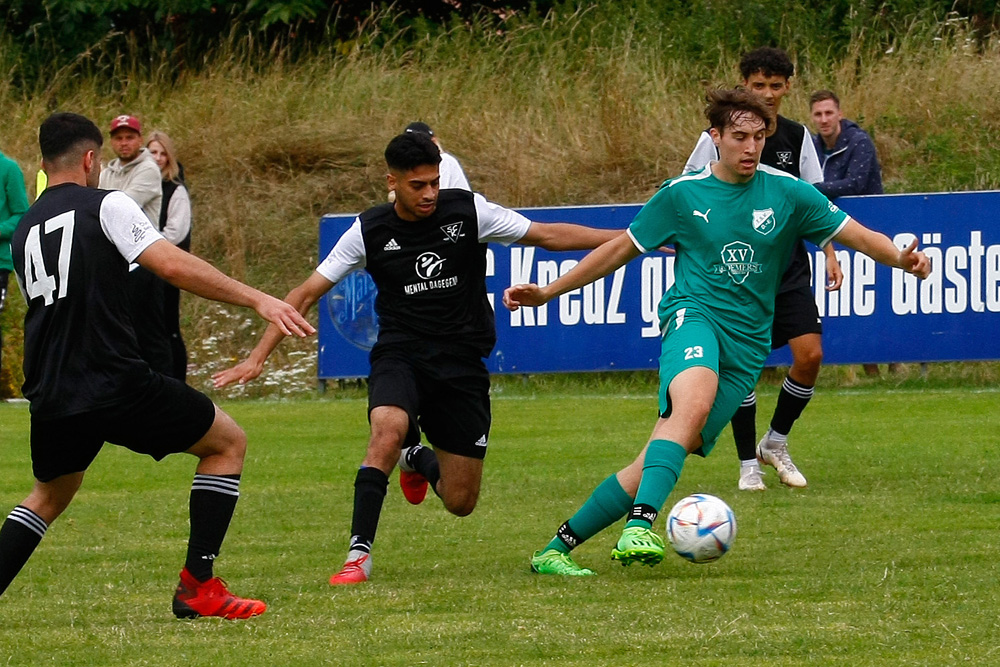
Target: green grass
(888, 558)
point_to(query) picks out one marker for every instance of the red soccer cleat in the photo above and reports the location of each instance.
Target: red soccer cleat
(211, 598)
(414, 486)
(354, 572)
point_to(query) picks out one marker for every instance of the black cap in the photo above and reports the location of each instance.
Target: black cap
(421, 128)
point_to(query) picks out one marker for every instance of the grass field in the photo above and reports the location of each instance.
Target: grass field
(888, 558)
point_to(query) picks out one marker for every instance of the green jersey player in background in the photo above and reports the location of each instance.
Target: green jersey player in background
(733, 225)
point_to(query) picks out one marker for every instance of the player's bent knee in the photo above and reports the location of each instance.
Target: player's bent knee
(50, 499)
(463, 507)
(224, 438)
(460, 502)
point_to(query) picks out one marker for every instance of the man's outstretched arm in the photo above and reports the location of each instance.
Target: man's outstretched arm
(195, 275)
(566, 236)
(302, 298)
(607, 258)
(878, 246)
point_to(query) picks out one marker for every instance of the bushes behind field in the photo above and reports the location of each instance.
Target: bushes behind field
(549, 105)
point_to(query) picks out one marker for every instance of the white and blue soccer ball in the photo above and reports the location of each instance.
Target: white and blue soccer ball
(701, 528)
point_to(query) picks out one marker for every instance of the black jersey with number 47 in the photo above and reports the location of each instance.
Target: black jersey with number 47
(71, 255)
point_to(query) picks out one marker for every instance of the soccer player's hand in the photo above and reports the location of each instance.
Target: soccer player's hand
(834, 274)
(529, 294)
(285, 317)
(242, 372)
(913, 261)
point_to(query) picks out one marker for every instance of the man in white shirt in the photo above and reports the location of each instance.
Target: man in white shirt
(452, 175)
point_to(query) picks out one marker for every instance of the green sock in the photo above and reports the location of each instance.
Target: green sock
(660, 470)
(606, 504)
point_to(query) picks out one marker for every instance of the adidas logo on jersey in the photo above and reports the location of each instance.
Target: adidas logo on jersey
(482, 441)
(391, 245)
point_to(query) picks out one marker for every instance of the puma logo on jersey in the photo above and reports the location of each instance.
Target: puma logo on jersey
(453, 232)
(702, 215)
(391, 245)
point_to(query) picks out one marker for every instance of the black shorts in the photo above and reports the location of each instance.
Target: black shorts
(445, 392)
(162, 416)
(795, 314)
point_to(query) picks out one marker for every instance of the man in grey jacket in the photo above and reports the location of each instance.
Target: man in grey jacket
(134, 171)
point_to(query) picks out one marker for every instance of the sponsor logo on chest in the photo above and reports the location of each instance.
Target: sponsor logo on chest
(737, 261)
(428, 267)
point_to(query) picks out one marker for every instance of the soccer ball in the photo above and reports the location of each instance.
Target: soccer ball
(701, 528)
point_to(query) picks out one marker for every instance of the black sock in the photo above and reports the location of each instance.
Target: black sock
(213, 501)
(744, 424)
(791, 402)
(424, 460)
(19, 535)
(370, 487)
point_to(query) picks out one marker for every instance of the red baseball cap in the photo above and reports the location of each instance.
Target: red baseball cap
(130, 122)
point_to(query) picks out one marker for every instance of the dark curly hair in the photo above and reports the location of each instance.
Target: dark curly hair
(767, 60)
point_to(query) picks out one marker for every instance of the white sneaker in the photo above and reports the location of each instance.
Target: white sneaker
(751, 478)
(775, 454)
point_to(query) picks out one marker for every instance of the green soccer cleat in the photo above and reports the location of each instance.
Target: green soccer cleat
(638, 545)
(552, 561)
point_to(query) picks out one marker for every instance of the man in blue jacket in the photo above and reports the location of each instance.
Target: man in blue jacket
(846, 152)
(847, 156)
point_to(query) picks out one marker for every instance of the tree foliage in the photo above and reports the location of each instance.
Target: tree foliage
(38, 37)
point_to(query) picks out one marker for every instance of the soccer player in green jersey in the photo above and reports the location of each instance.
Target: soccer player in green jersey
(733, 225)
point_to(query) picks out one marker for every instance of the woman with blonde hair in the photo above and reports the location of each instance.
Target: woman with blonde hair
(175, 225)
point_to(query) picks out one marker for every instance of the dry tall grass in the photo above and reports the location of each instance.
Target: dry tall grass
(269, 146)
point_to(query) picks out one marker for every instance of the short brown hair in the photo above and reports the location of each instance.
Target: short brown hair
(821, 95)
(725, 104)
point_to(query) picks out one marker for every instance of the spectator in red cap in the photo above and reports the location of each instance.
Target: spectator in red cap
(134, 171)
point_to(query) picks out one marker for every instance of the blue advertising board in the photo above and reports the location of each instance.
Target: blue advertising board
(879, 315)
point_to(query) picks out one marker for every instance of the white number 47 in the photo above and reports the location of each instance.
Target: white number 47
(37, 281)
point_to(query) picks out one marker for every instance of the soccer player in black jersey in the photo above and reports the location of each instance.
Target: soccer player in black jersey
(426, 253)
(84, 377)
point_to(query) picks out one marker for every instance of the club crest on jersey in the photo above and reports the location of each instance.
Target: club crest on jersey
(453, 232)
(737, 261)
(784, 158)
(429, 265)
(763, 221)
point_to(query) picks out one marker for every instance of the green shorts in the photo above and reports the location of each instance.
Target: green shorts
(692, 340)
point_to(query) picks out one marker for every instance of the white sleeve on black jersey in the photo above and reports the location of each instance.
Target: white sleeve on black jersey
(703, 153)
(452, 176)
(347, 255)
(125, 225)
(499, 224)
(810, 170)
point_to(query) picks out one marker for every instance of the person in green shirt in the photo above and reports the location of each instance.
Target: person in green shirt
(733, 225)
(13, 204)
